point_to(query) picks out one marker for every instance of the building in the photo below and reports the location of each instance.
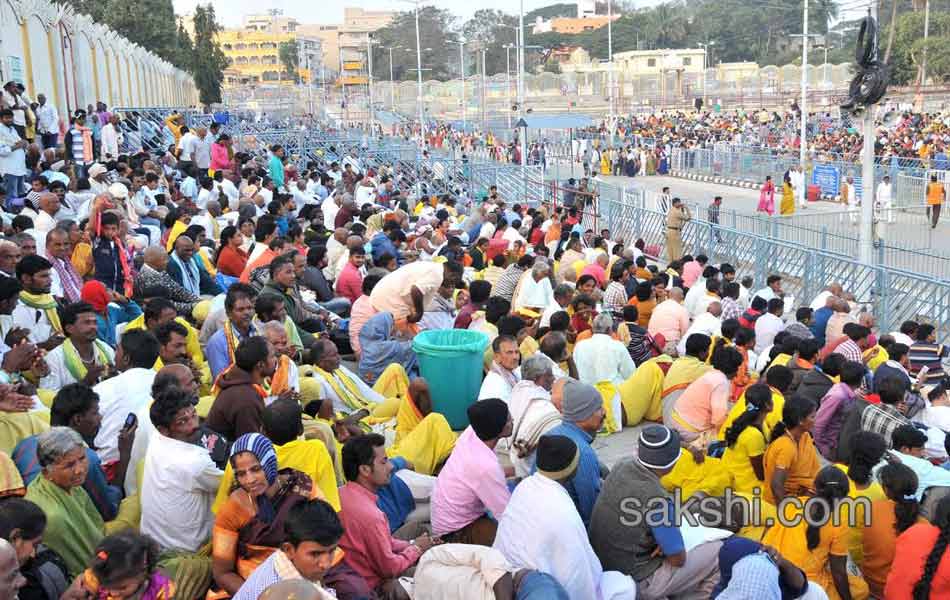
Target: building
(344, 45)
(650, 62)
(585, 19)
(273, 22)
(574, 55)
(255, 57)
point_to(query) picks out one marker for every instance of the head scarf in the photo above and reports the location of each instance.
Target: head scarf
(94, 292)
(380, 349)
(261, 447)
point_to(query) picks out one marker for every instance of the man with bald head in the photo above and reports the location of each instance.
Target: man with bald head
(202, 150)
(153, 280)
(67, 283)
(46, 216)
(670, 318)
(286, 376)
(10, 254)
(185, 269)
(11, 580)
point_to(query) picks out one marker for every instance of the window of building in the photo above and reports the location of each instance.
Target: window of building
(651, 62)
(252, 46)
(226, 47)
(687, 61)
(240, 47)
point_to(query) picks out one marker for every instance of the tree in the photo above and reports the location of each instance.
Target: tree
(209, 60)
(492, 30)
(436, 27)
(148, 23)
(290, 58)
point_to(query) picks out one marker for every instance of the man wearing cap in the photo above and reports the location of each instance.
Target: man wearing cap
(582, 415)
(554, 540)
(472, 482)
(98, 179)
(630, 535)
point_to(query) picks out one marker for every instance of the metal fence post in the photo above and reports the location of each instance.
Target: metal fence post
(824, 237)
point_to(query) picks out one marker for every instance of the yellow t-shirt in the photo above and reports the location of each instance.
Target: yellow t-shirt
(856, 538)
(735, 460)
(774, 416)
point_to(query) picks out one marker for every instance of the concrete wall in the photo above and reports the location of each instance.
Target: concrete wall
(76, 62)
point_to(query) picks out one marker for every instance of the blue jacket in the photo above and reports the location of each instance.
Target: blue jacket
(584, 487)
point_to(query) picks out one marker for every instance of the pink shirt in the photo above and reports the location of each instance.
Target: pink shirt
(691, 272)
(471, 483)
(370, 548)
(704, 404)
(671, 319)
(360, 313)
(349, 283)
(597, 272)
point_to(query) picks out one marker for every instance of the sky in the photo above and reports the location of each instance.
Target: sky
(229, 12)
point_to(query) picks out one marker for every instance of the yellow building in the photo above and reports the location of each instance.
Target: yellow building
(255, 57)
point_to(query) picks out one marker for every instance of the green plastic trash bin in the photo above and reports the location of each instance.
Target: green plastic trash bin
(451, 361)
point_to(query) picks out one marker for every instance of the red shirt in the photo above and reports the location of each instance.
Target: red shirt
(913, 547)
(370, 549)
(349, 283)
(232, 262)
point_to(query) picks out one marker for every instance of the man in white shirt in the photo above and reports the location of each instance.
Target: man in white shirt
(330, 207)
(365, 192)
(335, 173)
(353, 160)
(180, 480)
(126, 393)
(769, 324)
(186, 149)
(111, 138)
(707, 323)
(502, 375)
(201, 150)
(797, 178)
(883, 201)
(47, 122)
(513, 235)
(46, 216)
(772, 289)
(12, 155)
(232, 196)
(602, 358)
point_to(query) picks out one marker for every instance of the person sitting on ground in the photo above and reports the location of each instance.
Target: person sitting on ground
(701, 409)
(121, 560)
(22, 524)
(381, 349)
(791, 459)
(532, 412)
(74, 526)
(237, 408)
(816, 382)
(348, 394)
(601, 357)
(745, 441)
(178, 485)
(81, 357)
(472, 481)
(249, 526)
(370, 548)
(308, 552)
(650, 550)
(818, 544)
(583, 416)
(503, 373)
(524, 532)
(834, 406)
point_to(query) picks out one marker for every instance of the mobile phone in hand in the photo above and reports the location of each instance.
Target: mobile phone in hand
(131, 420)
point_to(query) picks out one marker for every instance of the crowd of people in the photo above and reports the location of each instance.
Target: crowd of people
(210, 390)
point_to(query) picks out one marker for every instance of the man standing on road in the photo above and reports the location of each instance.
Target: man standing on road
(935, 198)
(675, 221)
(883, 200)
(797, 177)
(713, 213)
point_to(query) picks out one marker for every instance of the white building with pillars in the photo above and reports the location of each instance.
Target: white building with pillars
(75, 62)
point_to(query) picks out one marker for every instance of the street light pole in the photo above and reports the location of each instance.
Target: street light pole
(369, 81)
(521, 112)
(461, 44)
(803, 134)
(392, 85)
(508, 83)
(866, 233)
(610, 66)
